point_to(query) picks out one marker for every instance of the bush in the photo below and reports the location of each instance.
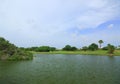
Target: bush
(43, 49)
(9, 51)
(52, 48)
(105, 48)
(111, 49)
(85, 48)
(69, 48)
(93, 47)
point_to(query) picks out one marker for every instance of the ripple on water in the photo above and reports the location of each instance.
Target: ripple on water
(62, 69)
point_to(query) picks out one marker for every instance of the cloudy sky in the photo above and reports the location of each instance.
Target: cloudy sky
(56, 23)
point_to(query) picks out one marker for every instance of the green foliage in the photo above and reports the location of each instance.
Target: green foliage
(111, 49)
(85, 48)
(9, 51)
(69, 48)
(52, 48)
(100, 42)
(73, 48)
(7, 47)
(105, 48)
(93, 47)
(41, 49)
(44, 49)
(33, 48)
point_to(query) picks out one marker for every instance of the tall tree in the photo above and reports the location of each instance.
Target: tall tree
(100, 42)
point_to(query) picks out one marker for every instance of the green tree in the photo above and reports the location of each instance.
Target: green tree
(44, 49)
(100, 43)
(85, 48)
(111, 49)
(105, 48)
(52, 48)
(73, 48)
(67, 48)
(93, 47)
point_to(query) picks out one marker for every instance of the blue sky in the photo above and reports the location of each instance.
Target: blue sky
(56, 23)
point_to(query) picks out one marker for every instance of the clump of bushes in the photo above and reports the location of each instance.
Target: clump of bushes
(9, 51)
(111, 49)
(69, 48)
(91, 47)
(41, 49)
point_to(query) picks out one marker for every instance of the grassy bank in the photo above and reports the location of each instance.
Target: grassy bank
(97, 52)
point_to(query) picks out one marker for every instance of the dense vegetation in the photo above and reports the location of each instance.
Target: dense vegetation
(69, 48)
(110, 48)
(92, 49)
(40, 49)
(9, 51)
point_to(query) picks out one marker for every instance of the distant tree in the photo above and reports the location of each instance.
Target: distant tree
(52, 48)
(44, 49)
(100, 42)
(31, 49)
(73, 48)
(22, 48)
(85, 48)
(41, 49)
(93, 47)
(69, 48)
(105, 48)
(34, 49)
(119, 47)
(111, 49)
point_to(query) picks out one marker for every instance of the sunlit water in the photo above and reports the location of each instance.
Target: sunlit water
(62, 69)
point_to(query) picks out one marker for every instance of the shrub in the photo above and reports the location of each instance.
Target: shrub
(93, 47)
(111, 49)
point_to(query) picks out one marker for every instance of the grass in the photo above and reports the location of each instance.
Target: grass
(117, 53)
(97, 52)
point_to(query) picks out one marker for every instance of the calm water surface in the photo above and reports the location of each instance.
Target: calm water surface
(62, 69)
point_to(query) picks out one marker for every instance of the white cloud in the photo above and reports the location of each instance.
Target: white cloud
(45, 19)
(110, 26)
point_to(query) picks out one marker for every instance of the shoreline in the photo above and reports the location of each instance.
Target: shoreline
(97, 52)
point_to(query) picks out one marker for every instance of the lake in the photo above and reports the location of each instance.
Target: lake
(62, 69)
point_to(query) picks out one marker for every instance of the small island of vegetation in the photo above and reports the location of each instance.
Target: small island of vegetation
(11, 52)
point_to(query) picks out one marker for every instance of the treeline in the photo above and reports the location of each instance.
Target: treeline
(49, 49)
(110, 48)
(9, 51)
(40, 49)
(92, 47)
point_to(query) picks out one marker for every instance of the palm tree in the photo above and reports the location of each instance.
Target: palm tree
(100, 42)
